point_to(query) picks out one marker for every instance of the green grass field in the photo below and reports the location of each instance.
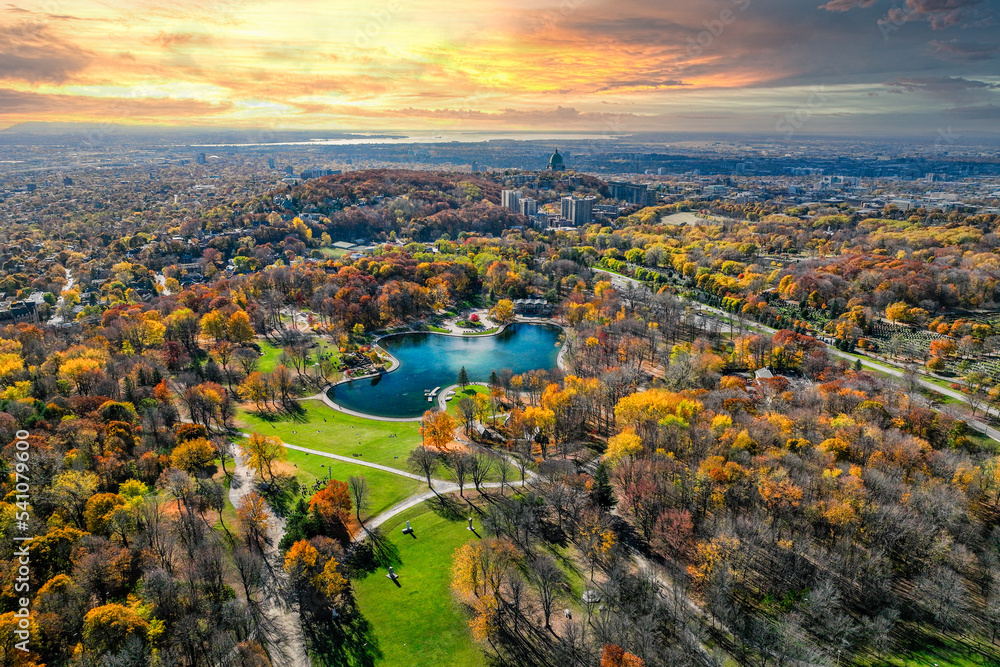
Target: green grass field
(460, 393)
(387, 489)
(272, 353)
(419, 624)
(322, 428)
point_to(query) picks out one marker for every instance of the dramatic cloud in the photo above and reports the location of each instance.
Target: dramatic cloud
(30, 52)
(516, 64)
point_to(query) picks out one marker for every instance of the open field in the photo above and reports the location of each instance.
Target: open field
(387, 489)
(320, 427)
(419, 624)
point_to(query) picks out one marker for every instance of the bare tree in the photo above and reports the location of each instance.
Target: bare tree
(360, 492)
(423, 460)
(548, 578)
(480, 466)
(504, 466)
(467, 408)
(459, 464)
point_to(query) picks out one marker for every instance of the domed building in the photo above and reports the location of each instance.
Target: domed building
(556, 162)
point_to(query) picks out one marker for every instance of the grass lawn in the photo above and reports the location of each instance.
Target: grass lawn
(419, 624)
(271, 353)
(320, 427)
(468, 392)
(927, 648)
(387, 489)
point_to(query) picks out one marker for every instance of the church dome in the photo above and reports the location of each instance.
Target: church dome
(556, 161)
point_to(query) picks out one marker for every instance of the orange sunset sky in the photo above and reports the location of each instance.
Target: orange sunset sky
(864, 66)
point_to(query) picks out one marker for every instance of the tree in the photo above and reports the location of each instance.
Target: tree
(615, 656)
(423, 460)
(503, 312)
(360, 492)
(463, 377)
(467, 408)
(254, 388)
(213, 323)
(480, 466)
(626, 443)
(98, 511)
(459, 464)
(333, 503)
(107, 628)
(601, 492)
(193, 455)
(437, 429)
(239, 329)
(549, 580)
(71, 490)
(254, 521)
(262, 452)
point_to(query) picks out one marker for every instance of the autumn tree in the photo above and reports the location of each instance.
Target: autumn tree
(254, 521)
(193, 455)
(437, 429)
(262, 452)
(108, 627)
(503, 312)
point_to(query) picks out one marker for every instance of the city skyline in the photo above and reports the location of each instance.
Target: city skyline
(863, 67)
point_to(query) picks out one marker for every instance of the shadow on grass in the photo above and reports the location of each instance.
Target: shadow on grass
(924, 646)
(374, 552)
(447, 507)
(345, 641)
(281, 493)
(289, 412)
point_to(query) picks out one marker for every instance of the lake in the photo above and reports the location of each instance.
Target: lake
(428, 360)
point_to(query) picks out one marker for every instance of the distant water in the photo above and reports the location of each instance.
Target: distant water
(460, 137)
(431, 360)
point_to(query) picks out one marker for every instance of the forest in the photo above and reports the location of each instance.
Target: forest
(686, 488)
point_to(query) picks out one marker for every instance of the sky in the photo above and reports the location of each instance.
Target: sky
(862, 67)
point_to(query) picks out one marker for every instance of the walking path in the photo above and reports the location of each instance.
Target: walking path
(292, 645)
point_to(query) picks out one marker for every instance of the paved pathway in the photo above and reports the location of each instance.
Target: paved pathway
(292, 646)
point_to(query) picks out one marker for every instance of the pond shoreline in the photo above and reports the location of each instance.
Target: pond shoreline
(395, 364)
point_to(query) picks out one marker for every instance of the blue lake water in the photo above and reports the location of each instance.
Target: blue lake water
(429, 360)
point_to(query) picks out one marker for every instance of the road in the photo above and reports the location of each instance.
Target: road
(59, 317)
(889, 369)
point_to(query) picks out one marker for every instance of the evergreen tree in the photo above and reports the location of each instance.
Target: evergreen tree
(463, 378)
(602, 493)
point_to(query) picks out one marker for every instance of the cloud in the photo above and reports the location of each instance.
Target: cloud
(941, 84)
(174, 40)
(846, 5)
(941, 14)
(954, 49)
(19, 105)
(29, 51)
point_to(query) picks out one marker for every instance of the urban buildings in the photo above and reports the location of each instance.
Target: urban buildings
(511, 199)
(578, 210)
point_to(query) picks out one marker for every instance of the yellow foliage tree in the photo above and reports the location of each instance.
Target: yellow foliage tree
(437, 429)
(626, 443)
